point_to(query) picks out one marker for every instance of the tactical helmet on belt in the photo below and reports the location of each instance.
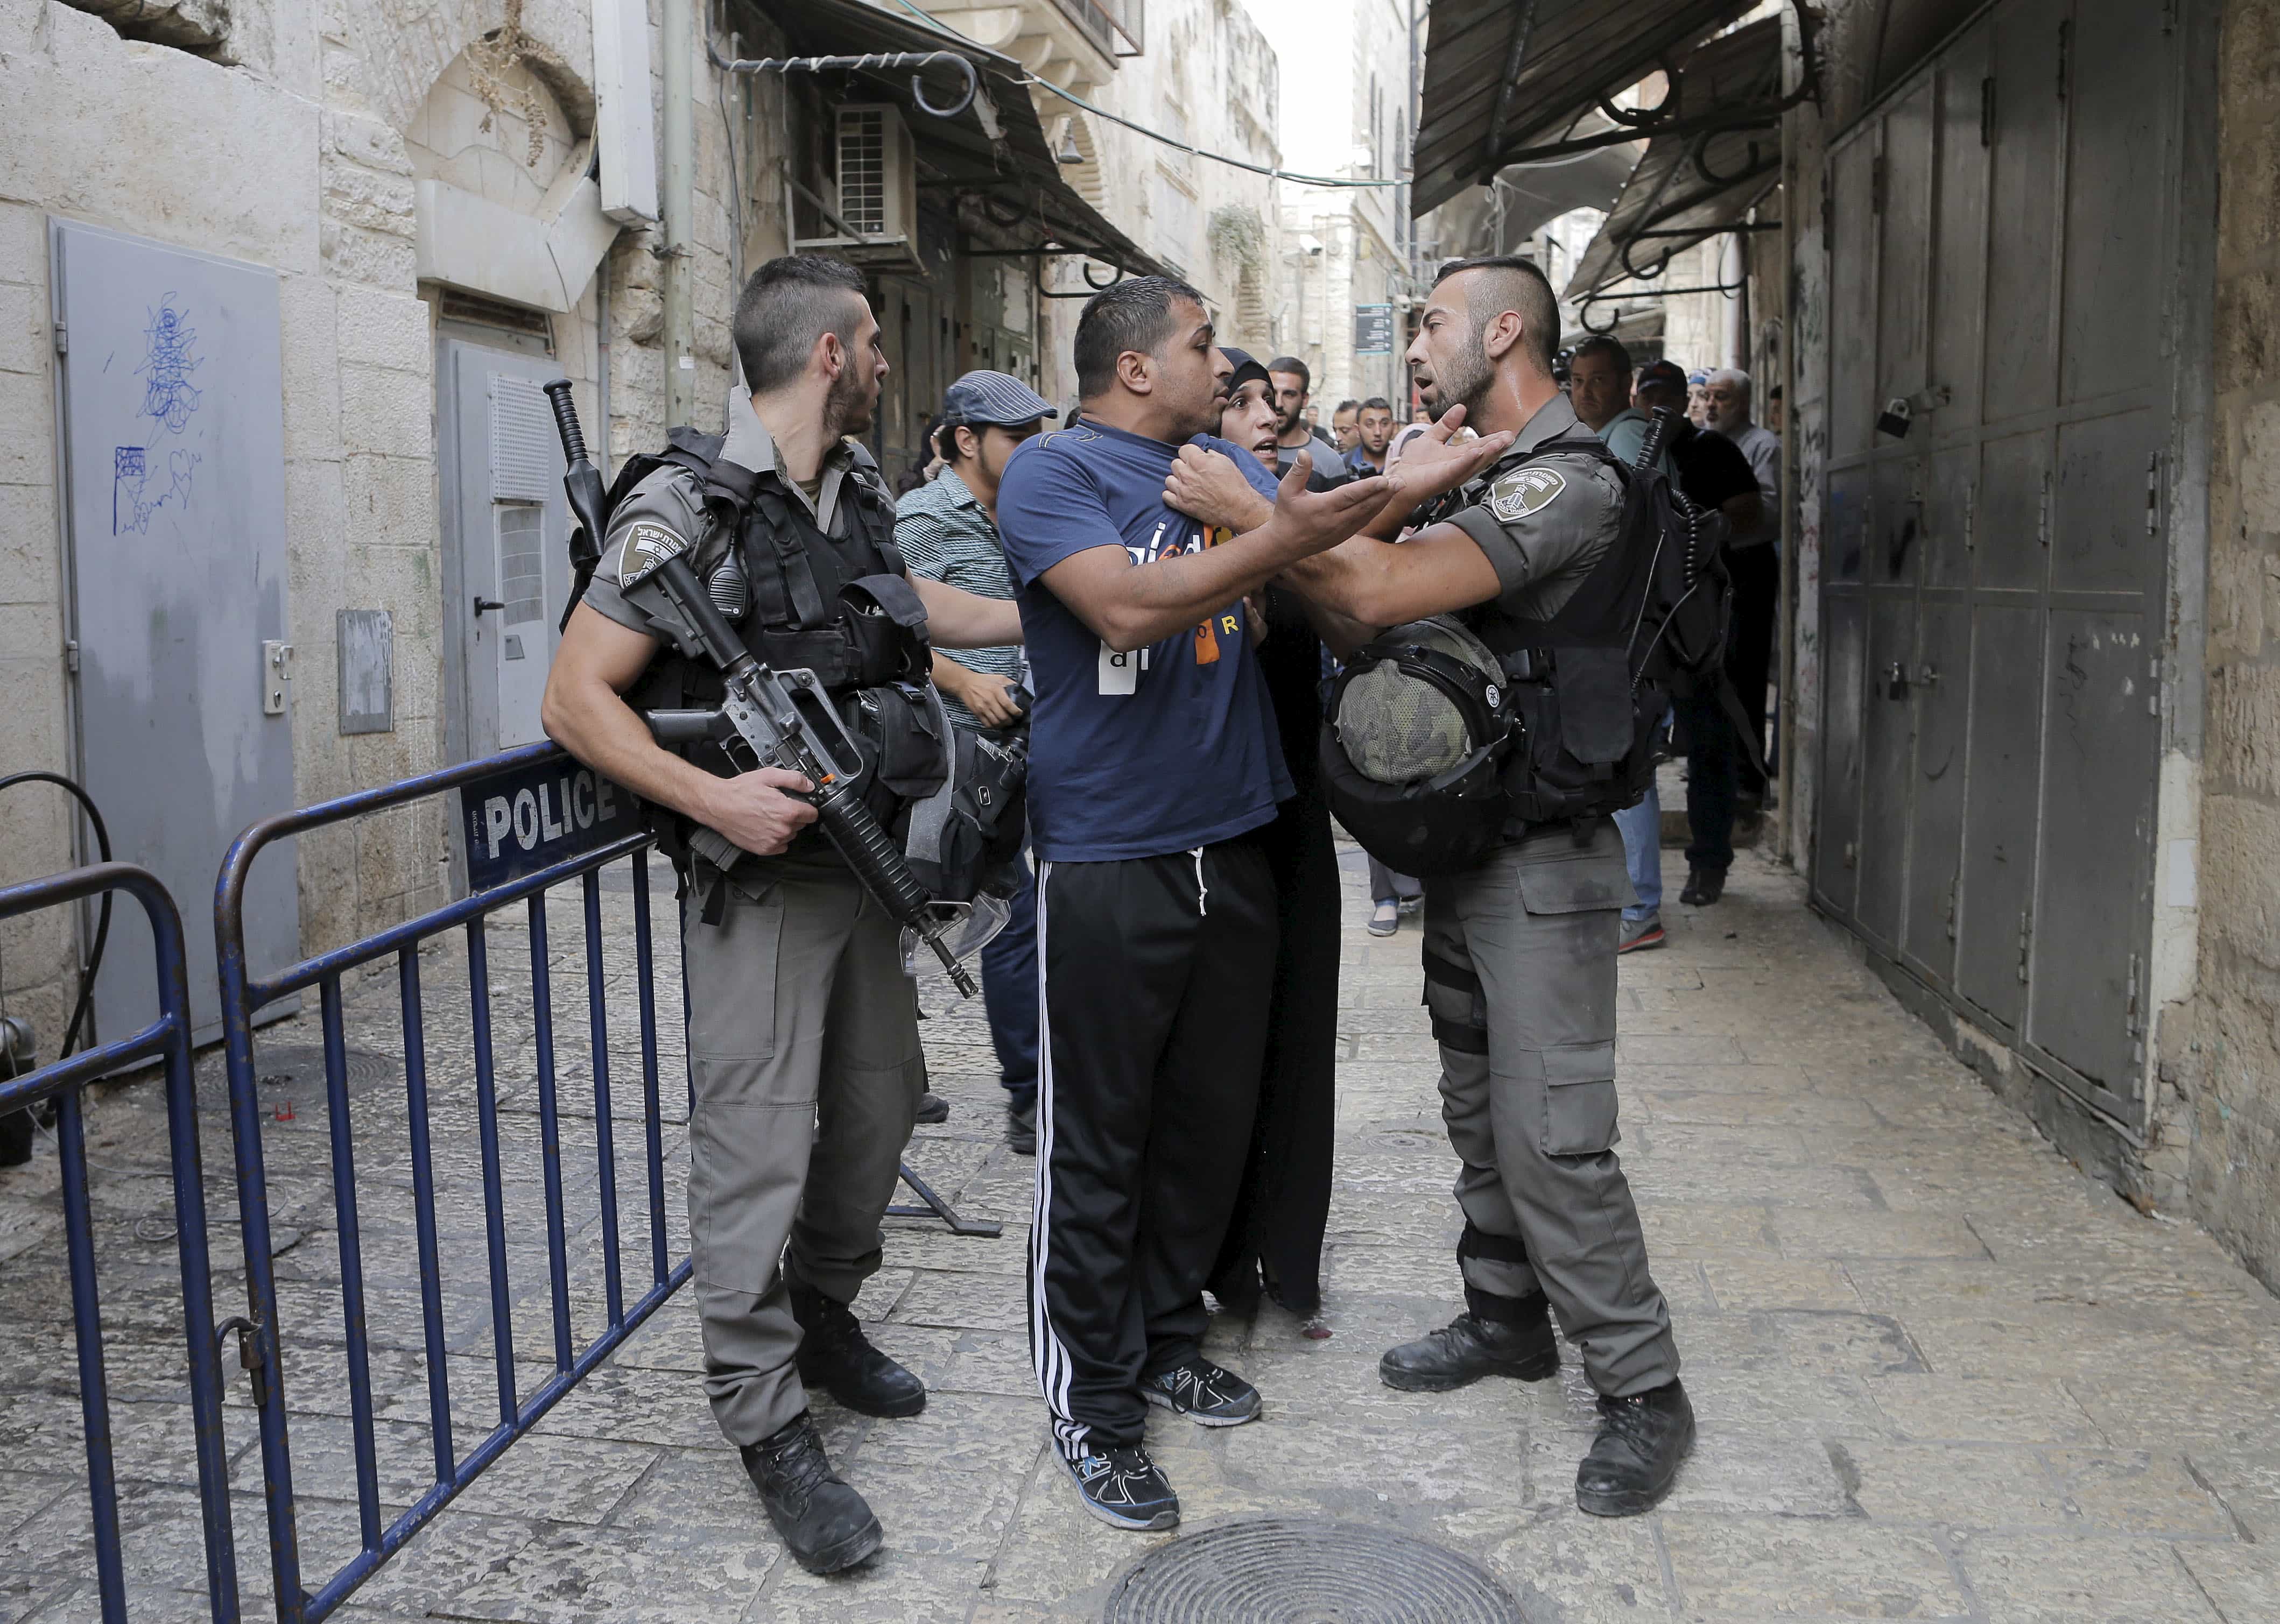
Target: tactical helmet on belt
(1421, 723)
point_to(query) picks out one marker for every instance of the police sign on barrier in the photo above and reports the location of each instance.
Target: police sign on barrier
(532, 815)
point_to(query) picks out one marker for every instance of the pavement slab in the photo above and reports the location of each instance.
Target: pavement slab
(1940, 1374)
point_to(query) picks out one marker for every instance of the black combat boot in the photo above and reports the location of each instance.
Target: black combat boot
(1642, 1439)
(1518, 1341)
(824, 1524)
(836, 1356)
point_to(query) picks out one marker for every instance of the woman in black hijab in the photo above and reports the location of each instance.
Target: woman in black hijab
(1275, 1238)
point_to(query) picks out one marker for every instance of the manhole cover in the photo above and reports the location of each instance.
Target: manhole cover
(1284, 1570)
(293, 1074)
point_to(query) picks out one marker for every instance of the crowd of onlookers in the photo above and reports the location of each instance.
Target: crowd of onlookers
(1723, 460)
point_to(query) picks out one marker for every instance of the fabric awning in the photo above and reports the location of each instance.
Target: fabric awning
(995, 151)
(1504, 76)
(1535, 194)
(1692, 186)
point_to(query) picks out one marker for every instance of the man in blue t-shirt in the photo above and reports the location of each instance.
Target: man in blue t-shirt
(1154, 757)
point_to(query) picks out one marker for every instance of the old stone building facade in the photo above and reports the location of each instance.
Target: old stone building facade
(447, 203)
(303, 141)
(1345, 111)
(1207, 79)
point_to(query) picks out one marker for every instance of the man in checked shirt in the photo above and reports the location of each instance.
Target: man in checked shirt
(947, 529)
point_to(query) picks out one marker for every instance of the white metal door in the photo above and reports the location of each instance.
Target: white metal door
(174, 435)
(506, 531)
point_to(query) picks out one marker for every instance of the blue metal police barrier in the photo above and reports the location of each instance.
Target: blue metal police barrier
(529, 819)
(166, 1039)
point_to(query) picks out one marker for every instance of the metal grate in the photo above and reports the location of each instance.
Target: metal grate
(525, 456)
(456, 304)
(291, 1078)
(522, 561)
(863, 169)
(1286, 1570)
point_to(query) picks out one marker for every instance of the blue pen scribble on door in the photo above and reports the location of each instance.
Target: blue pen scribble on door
(135, 497)
(168, 396)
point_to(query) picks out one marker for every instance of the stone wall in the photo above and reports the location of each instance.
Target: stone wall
(1208, 78)
(301, 164)
(2228, 1055)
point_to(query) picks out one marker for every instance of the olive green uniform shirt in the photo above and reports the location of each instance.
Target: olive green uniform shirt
(1543, 524)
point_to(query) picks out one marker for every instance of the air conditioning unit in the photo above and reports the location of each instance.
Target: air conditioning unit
(873, 189)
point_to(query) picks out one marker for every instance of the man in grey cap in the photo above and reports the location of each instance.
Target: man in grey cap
(947, 529)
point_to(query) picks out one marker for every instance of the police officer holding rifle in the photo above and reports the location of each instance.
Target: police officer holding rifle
(748, 592)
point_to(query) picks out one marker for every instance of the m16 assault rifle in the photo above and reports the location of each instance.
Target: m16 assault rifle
(767, 718)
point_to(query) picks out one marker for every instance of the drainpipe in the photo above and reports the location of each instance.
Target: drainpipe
(679, 41)
(1734, 272)
(602, 362)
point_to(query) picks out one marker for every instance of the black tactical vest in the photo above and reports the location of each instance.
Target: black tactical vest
(840, 607)
(1588, 716)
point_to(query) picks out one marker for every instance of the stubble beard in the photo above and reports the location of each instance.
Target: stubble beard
(847, 407)
(1464, 380)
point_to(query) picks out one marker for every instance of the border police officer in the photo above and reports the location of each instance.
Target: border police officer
(802, 1036)
(1520, 950)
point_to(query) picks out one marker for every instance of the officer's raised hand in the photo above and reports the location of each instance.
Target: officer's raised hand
(1436, 461)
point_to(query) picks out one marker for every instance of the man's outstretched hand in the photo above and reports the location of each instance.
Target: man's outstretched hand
(1209, 489)
(1322, 519)
(1434, 463)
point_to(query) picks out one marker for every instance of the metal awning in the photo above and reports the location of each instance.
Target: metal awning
(1509, 80)
(1695, 185)
(994, 152)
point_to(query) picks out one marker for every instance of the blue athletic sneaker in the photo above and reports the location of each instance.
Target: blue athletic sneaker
(1124, 1488)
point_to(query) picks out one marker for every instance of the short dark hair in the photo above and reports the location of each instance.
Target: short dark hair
(1348, 405)
(1377, 402)
(1296, 368)
(1516, 284)
(1132, 314)
(789, 303)
(1601, 344)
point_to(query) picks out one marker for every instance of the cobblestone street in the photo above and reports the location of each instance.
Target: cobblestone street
(1940, 1374)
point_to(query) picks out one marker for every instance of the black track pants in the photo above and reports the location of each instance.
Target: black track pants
(1153, 979)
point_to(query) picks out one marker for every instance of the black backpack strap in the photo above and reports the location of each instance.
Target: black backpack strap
(685, 448)
(789, 595)
(1748, 738)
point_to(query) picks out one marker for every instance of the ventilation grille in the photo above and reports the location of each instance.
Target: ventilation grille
(521, 561)
(863, 169)
(526, 459)
(457, 304)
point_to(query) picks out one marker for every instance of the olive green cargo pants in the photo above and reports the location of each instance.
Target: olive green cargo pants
(1520, 966)
(804, 1051)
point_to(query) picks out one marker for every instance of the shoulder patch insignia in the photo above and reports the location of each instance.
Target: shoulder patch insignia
(648, 545)
(1525, 491)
